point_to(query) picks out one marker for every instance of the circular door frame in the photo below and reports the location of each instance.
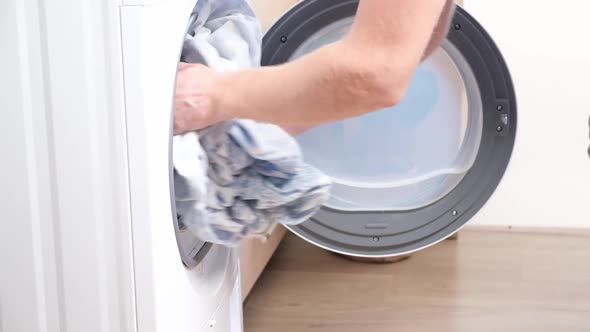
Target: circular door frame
(428, 225)
(192, 257)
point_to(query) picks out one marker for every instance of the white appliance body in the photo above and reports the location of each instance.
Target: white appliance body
(87, 240)
(87, 237)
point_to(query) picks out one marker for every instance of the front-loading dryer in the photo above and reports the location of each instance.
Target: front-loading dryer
(89, 236)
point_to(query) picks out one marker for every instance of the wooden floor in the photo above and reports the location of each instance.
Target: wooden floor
(481, 282)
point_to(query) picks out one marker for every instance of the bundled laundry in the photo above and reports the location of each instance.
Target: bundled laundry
(238, 178)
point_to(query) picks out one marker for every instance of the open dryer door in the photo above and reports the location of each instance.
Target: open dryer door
(410, 176)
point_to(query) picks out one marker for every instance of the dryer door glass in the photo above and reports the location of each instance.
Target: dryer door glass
(406, 156)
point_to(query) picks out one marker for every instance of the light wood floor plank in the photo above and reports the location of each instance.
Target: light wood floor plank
(484, 281)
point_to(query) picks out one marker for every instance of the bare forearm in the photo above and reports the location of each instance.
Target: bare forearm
(367, 70)
(324, 86)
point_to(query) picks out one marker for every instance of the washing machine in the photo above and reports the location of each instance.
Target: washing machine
(89, 235)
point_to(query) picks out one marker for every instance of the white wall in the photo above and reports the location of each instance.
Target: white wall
(547, 47)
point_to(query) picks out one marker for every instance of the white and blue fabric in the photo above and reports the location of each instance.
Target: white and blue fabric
(238, 178)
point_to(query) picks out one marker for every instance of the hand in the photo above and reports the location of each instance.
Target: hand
(196, 103)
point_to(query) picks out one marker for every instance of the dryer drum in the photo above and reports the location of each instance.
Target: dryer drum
(434, 159)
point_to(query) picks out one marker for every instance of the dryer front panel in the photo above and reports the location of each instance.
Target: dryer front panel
(433, 160)
(180, 281)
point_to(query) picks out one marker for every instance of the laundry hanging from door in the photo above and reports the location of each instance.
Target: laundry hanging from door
(238, 178)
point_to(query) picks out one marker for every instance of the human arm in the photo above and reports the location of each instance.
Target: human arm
(368, 69)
